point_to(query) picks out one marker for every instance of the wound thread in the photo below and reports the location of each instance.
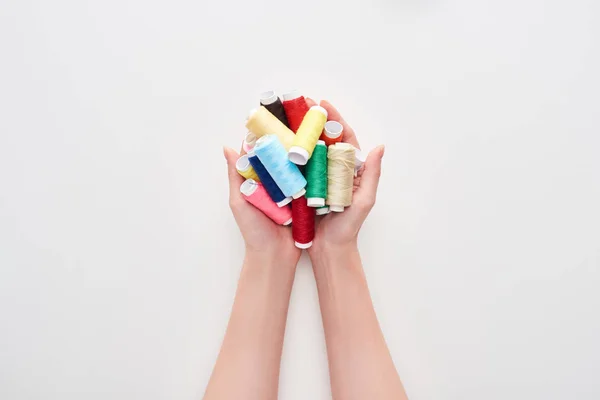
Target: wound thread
(255, 194)
(244, 168)
(286, 175)
(308, 135)
(267, 181)
(295, 107)
(333, 132)
(261, 122)
(303, 228)
(340, 176)
(316, 176)
(273, 103)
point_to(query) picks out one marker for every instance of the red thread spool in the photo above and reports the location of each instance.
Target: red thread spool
(332, 133)
(295, 108)
(303, 226)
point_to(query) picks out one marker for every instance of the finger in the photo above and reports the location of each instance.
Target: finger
(310, 102)
(235, 179)
(372, 170)
(334, 115)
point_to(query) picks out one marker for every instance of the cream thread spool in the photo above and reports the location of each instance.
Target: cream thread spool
(261, 122)
(308, 134)
(340, 176)
(244, 168)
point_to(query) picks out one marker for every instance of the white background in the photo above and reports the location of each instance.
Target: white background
(118, 254)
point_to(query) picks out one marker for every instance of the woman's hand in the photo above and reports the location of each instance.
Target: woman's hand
(261, 235)
(340, 230)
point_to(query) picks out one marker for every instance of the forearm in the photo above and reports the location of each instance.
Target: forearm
(359, 362)
(249, 361)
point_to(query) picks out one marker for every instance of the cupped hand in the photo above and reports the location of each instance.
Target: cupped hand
(341, 229)
(260, 233)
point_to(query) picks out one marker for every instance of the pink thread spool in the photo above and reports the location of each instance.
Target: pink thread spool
(249, 142)
(255, 194)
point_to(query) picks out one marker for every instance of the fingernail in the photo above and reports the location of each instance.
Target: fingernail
(382, 149)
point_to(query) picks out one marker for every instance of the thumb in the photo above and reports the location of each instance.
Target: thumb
(371, 173)
(235, 179)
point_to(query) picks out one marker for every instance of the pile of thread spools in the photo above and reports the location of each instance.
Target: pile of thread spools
(295, 155)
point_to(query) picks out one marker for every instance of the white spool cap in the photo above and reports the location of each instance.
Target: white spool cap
(243, 163)
(294, 94)
(315, 202)
(248, 187)
(303, 245)
(336, 208)
(359, 160)
(250, 140)
(284, 202)
(321, 142)
(333, 129)
(322, 210)
(286, 223)
(267, 98)
(299, 194)
(298, 155)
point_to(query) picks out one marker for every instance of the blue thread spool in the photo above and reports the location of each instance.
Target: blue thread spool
(270, 186)
(286, 174)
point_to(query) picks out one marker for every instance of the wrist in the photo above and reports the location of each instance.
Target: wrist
(271, 259)
(326, 255)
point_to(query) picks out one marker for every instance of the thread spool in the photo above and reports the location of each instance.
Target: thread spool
(359, 160)
(332, 133)
(340, 176)
(295, 107)
(261, 122)
(273, 103)
(303, 228)
(244, 168)
(323, 210)
(249, 142)
(286, 175)
(316, 176)
(308, 134)
(267, 181)
(256, 195)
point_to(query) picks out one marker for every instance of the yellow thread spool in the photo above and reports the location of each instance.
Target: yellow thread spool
(244, 168)
(261, 122)
(307, 136)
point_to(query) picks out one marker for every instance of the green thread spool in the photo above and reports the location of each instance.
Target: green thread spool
(316, 176)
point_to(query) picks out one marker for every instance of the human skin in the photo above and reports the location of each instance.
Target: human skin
(360, 364)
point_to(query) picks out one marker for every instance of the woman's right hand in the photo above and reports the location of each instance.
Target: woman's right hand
(340, 230)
